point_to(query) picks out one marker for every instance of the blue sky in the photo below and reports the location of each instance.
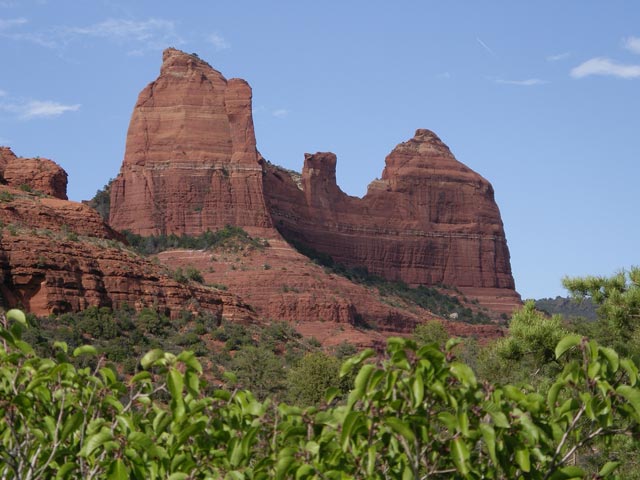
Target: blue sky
(541, 98)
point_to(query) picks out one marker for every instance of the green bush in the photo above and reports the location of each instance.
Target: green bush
(230, 236)
(417, 413)
(312, 377)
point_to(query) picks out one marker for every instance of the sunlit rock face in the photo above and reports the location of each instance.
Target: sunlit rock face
(191, 164)
(428, 220)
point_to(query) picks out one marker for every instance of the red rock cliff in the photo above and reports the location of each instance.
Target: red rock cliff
(429, 220)
(58, 256)
(191, 162)
(38, 174)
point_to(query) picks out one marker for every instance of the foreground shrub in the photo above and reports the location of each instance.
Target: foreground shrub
(415, 414)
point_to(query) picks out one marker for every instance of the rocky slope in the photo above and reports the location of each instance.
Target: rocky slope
(191, 164)
(58, 256)
(32, 174)
(282, 284)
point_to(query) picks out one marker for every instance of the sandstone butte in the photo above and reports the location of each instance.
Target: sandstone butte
(58, 256)
(191, 164)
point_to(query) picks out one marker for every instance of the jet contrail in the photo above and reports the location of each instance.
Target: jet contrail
(484, 45)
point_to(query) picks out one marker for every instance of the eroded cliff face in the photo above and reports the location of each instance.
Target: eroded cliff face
(36, 174)
(191, 162)
(58, 256)
(428, 220)
(283, 285)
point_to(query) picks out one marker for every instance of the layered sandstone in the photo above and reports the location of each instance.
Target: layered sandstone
(429, 220)
(283, 285)
(58, 256)
(36, 174)
(191, 162)
(191, 165)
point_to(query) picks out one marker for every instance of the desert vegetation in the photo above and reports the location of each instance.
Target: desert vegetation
(230, 237)
(547, 401)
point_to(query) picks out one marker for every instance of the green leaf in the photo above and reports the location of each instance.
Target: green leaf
(175, 382)
(552, 395)
(632, 395)
(631, 369)
(151, 357)
(24, 347)
(140, 377)
(463, 373)
(17, 316)
(356, 360)
(523, 459)
(331, 394)
(362, 379)
(85, 350)
(363, 376)
(304, 471)
(460, 454)
(500, 419)
(117, 471)
(193, 382)
(567, 343)
(371, 460)
(400, 427)
(418, 389)
(139, 440)
(233, 475)
(71, 425)
(61, 345)
(463, 422)
(608, 468)
(66, 470)
(348, 426)
(178, 476)
(489, 436)
(612, 357)
(97, 440)
(190, 360)
(568, 473)
(449, 420)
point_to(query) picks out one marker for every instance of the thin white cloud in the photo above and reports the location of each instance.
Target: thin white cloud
(280, 113)
(8, 23)
(2, 93)
(558, 57)
(632, 44)
(139, 36)
(151, 33)
(38, 109)
(485, 46)
(218, 42)
(605, 67)
(529, 82)
(46, 109)
(444, 75)
(41, 39)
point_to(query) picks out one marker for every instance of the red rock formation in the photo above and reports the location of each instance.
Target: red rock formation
(191, 162)
(283, 285)
(58, 256)
(429, 220)
(37, 174)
